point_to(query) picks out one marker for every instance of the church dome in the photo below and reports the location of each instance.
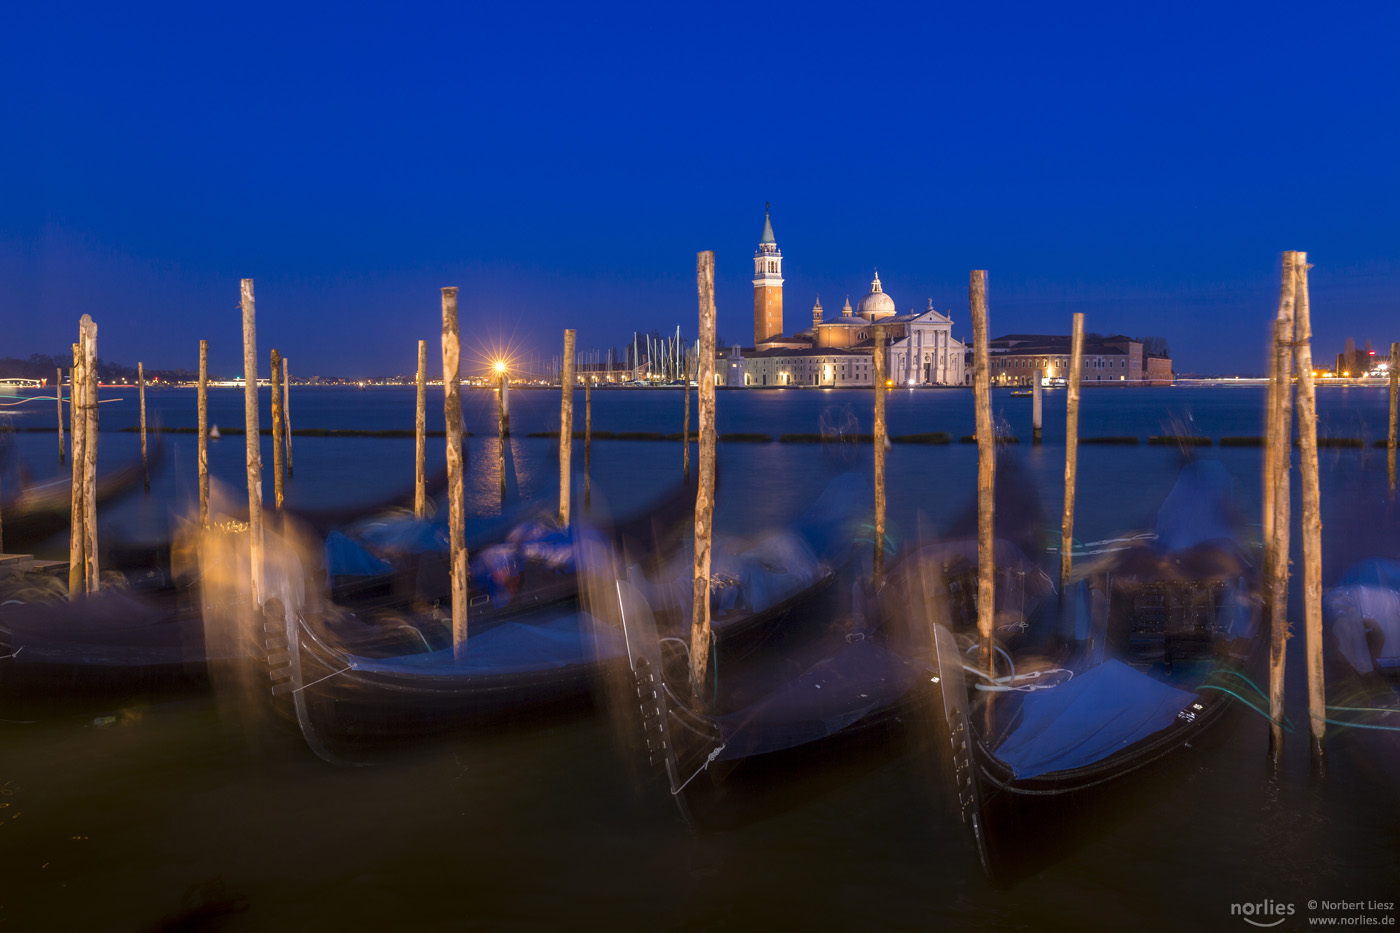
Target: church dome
(876, 304)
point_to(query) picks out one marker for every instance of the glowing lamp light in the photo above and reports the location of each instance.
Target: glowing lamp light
(500, 366)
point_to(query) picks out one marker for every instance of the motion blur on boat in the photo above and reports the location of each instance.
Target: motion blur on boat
(1157, 639)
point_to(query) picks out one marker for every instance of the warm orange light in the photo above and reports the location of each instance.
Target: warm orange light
(500, 366)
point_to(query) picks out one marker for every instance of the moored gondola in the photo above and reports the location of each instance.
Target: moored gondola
(1166, 642)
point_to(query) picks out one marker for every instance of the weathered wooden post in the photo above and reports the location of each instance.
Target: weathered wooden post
(59, 394)
(502, 404)
(77, 537)
(587, 438)
(986, 468)
(420, 434)
(705, 496)
(685, 428)
(204, 434)
(879, 565)
(457, 508)
(1076, 372)
(1035, 406)
(253, 435)
(1312, 525)
(1278, 497)
(276, 369)
(566, 428)
(89, 328)
(287, 416)
(1390, 438)
(141, 391)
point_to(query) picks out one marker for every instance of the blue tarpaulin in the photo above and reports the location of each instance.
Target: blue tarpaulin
(345, 558)
(1099, 712)
(547, 641)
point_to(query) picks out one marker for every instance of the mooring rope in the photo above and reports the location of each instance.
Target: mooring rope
(713, 755)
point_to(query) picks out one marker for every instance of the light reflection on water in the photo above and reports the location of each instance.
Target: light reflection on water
(122, 819)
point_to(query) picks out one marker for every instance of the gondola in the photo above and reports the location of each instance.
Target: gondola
(41, 510)
(836, 672)
(356, 684)
(1165, 640)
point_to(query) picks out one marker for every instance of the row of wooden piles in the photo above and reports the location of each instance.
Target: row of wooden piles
(1291, 347)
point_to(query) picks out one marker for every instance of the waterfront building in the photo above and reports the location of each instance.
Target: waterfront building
(837, 351)
(1117, 360)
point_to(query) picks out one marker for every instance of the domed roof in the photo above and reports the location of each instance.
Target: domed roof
(877, 303)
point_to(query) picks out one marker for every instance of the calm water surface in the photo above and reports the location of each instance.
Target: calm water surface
(127, 818)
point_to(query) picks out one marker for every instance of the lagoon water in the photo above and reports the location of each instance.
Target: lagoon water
(130, 818)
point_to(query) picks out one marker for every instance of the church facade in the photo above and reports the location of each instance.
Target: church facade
(839, 350)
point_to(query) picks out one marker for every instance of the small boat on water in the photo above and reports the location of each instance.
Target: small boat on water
(1164, 637)
(823, 667)
(41, 510)
(358, 682)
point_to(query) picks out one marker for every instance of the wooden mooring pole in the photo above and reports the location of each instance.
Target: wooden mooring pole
(141, 392)
(587, 440)
(76, 538)
(1036, 408)
(1312, 523)
(420, 435)
(1076, 372)
(287, 416)
(705, 495)
(91, 570)
(204, 434)
(276, 369)
(1390, 438)
(685, 427)
(457, 509)
(986, 468)
(1277, 499)
(879, 564)
(59, 394)
(253, 436)
(566, 428)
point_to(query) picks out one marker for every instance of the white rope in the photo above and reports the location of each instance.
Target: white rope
(13, 654)
(713, 755)
(327, 677)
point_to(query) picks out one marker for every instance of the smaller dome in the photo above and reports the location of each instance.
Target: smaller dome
(877, 303)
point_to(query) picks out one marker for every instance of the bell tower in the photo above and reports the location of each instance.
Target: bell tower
(767, 285)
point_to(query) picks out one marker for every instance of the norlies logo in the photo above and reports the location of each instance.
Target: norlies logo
(1269, 913)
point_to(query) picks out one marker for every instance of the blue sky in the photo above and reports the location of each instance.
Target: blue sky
(562, 164)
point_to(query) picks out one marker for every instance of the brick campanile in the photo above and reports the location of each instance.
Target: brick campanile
(767, 285)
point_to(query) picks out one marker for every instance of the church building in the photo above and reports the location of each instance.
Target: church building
(838, 351)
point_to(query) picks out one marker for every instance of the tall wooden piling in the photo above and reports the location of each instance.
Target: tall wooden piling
(986, 468)
(457, 507)
(420, 435)
(204, 434)
(141, 392)
(91, 570)
(1312, 524)
(566, 427)
(1036, 409)
(287, 416)
(253, 435)
(879, 353)
(1390, 438)
(685, 427)
(502, 407)
(1076, 372)
(277, 467)
(77, 538)
(1277, 500)
(587, 440)
(59, 394)
(705, 495)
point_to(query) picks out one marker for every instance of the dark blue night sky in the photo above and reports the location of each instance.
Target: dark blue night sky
(1142, 163)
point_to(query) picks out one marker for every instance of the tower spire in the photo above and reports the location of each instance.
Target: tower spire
(767, 228)
(767, 284)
